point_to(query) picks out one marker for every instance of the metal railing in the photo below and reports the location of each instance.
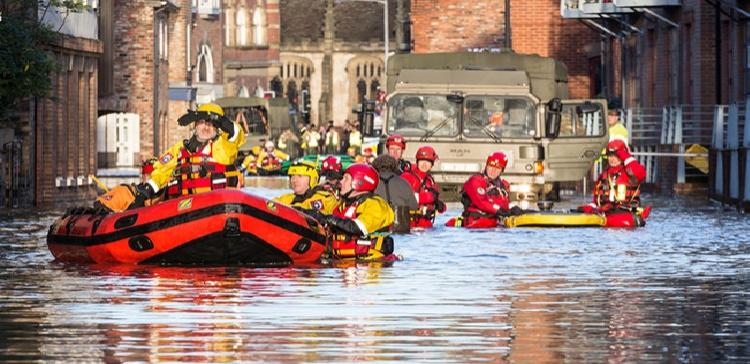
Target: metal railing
(14, 186)
(729, 165)
(677, 126)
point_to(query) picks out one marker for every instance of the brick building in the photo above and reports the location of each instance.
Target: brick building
(690, 52)
(143, 80)
(57, 135)
(335, 51)
(535, 28)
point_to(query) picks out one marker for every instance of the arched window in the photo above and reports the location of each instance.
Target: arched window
(241, 27)
(361, 90)
(291, 92)
(229, 30)
(374, 89)
(205, 64)
(259, 25)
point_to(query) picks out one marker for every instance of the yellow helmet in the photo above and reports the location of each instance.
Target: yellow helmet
(305, 168)
(211, 108)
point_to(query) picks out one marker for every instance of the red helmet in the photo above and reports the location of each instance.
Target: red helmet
(396, 139)
(426, 153)
(616, 145)
(497, 159)
(331, 163)
(364, 177)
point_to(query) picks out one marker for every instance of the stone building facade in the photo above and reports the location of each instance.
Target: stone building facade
(335, 50)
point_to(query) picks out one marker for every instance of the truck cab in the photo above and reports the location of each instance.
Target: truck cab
(468, 105)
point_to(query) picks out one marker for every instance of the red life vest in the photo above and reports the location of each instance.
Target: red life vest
(345, 246)
(426, 188)
(199, 172)
(618, 188)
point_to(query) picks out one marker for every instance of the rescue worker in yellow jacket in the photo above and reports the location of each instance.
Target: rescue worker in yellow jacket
(270, 159)
(360, 223)
(202, 163)
(306, 193)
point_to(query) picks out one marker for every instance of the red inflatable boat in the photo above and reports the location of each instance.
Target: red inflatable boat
(226, 227)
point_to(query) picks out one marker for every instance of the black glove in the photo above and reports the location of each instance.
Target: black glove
(440, 206)
(515, 211)
(189, 117)
(347, 226)
(145, 190)
(315, 214)
(224, 124)
(502, 213)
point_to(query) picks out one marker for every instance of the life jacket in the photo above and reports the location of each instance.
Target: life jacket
(197, 172)
(270, 161)
(617, 187)
(344, 246)
(426, 211)
(494, 189)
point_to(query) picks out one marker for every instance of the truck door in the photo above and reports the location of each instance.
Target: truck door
(582, 136)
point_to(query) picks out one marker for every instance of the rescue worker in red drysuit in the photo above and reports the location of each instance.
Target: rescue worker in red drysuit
(360, 223)
(331, 170)
(486, 196)
(618, 187)
(425, 188)
(395, 144)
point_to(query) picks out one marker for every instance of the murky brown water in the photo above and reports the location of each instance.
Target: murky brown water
(676, 291)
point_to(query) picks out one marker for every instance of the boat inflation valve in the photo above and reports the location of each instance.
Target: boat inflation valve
(140, 243)
(302, 246)
(232, 227)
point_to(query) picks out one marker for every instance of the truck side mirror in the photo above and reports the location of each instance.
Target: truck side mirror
(552, 123)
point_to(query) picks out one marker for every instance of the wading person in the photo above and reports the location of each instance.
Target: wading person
(486, 196)
(425, 188)
(306, 193)
(396, 191)
(618, 187)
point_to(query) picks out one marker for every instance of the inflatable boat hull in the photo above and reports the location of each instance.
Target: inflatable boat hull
(226, 227)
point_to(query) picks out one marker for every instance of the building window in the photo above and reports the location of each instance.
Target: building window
(229, 30)
(242, 27)
(163, 39)
(259, 26)
(205, 64)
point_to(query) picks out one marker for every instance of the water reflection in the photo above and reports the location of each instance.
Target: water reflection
(674, 291)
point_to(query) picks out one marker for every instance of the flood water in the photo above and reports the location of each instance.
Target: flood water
(676, 291)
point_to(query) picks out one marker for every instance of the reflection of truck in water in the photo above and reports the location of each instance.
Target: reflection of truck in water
(468, 105)
(263, 118)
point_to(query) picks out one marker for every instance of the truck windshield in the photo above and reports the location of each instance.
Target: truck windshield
(422, 115)
(498, 117)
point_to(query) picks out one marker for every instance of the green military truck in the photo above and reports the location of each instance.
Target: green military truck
(468, 105)
(263, 118)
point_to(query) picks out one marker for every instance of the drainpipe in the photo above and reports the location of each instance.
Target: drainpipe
(717, 40)
(157, 60)
(508, 43)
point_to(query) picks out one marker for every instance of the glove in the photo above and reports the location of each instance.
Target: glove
(587, 209)
(189, 117)
(440, 206)
(515, 211)
(315, 214)
(502, 213)
(144, 190)
(623, 154)
(347, 226)
(225, 125)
